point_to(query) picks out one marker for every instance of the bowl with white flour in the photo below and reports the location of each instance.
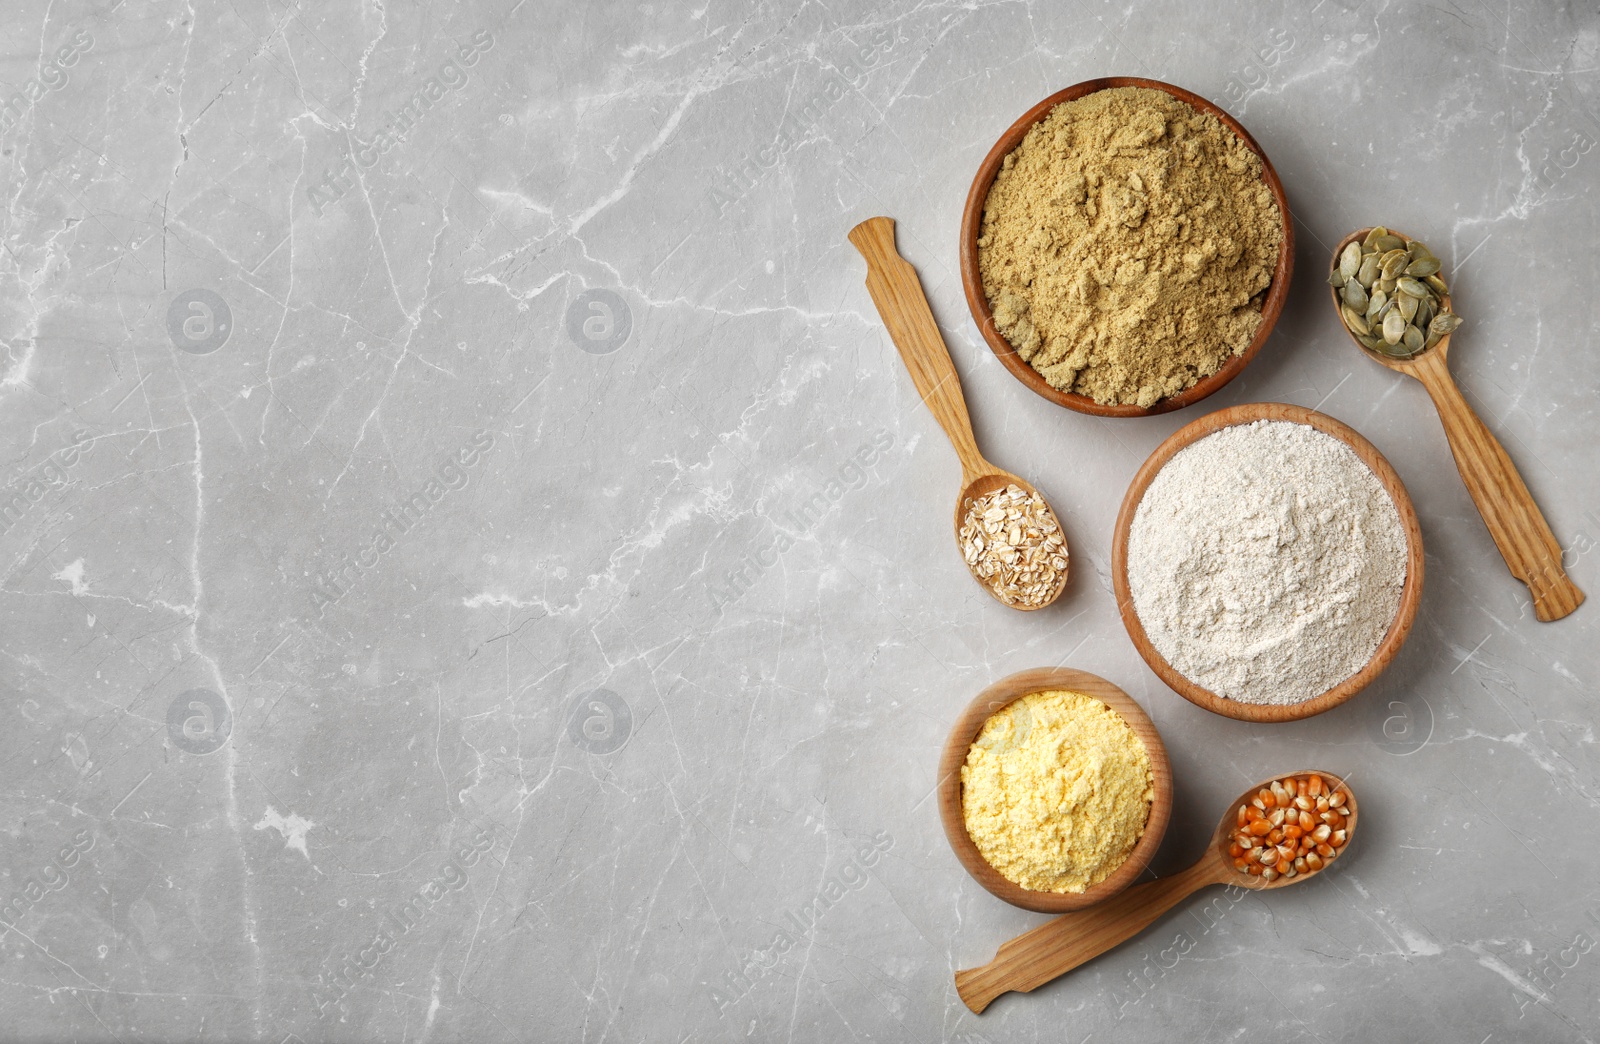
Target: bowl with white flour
(1267, 562)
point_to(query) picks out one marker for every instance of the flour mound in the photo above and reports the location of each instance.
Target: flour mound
(1266, 562)
(1127, 243)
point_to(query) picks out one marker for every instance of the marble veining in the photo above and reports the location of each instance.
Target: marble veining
(473, 567)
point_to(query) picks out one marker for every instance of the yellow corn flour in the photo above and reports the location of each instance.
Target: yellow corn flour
(1056, 790)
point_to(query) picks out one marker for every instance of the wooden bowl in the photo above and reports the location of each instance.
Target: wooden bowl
(1410, 594)
(1000, 695)
(978, 300)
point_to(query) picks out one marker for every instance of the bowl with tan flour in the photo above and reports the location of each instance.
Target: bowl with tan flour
(1126, 247)
(1267, 562)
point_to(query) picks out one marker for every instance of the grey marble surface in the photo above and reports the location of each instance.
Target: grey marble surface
(408, 631)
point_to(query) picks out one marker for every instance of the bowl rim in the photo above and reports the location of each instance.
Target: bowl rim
(1410, 594)
(978, 301)
(969, 723)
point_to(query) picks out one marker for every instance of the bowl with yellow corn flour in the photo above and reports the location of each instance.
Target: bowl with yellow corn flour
(1054, 789)
(1126, 247)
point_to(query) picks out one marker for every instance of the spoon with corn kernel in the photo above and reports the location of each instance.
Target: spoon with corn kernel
(1309, 817)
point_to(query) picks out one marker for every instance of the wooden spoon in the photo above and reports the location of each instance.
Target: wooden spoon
(897, 292)
(1514, 520)
(1056, 947)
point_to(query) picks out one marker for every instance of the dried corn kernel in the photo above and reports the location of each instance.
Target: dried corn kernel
(1290, 827)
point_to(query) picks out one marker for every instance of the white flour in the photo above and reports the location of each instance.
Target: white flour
(1266, 562)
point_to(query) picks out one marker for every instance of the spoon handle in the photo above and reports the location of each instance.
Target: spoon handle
(1514, 520)
(1056, 947)
(897, 292)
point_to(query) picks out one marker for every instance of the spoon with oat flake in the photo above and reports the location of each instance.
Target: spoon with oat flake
(1056, 947)
(1009, 537)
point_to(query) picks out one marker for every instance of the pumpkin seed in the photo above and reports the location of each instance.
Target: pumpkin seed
(1445, 323)
(1392, 263)
(1355, 295)
(1375, 304)
(1336, 279)
(1393, 351)
(1412, 338)
(1411, 288)
(1371, 237)
(1367, 274)
(1394, 327)
(1408, 306)
(1353, 320)
(1423, 266)
(1418, 250)
(1350, 260)
(1425, 313)
(1388, 242)
(1386, 285)
(1438, 284)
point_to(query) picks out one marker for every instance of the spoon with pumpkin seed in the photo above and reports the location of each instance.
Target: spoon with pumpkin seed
(1390, 294)
(1392, 299)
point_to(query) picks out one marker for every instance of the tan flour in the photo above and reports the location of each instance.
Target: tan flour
(1126, 244)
